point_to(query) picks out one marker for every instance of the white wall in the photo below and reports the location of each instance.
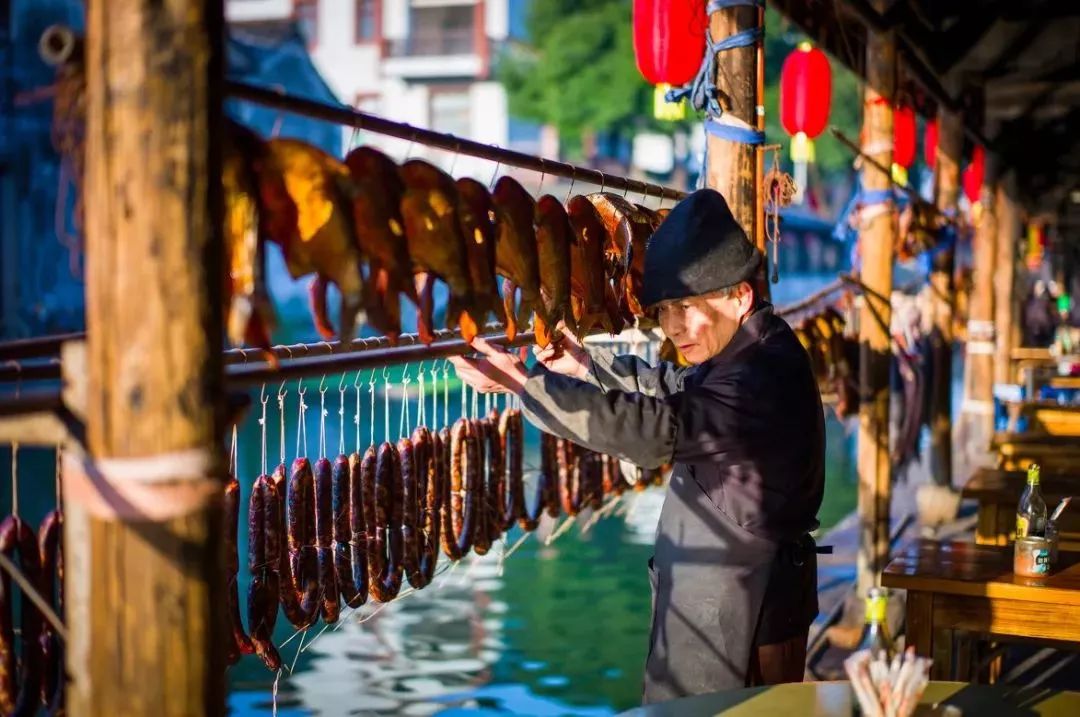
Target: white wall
(249, 10)
(395, 19)
(497, 19)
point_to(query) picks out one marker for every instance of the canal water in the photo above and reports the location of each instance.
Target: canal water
(553, 629)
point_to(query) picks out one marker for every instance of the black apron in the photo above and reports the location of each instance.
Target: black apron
(709, 580)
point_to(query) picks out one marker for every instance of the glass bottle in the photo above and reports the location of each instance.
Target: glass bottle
(876, 633)
(1031, 512)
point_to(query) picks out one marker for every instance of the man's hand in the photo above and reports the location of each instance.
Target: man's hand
(565, 356)
(497, 372)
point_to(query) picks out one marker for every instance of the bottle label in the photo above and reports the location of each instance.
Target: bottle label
(1022, 526)
(1041, 561)
(875, 610)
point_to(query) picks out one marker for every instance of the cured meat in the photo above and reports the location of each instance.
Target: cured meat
(410, 515)
(459, 512)
(380, 232)
(381, 476)
(326, 245)
(264, 560)
(52, 589)
(20, 679)
(324, 532)
(239, 643)
(481, 500)
(553, 234)
(475, 212)
(549, 474)
(436, 246)
(351, 536)
(430, 492)
(516, 258)
(628, 230)
(588, 282)
(299, 565)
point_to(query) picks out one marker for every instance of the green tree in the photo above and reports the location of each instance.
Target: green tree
(578, 74)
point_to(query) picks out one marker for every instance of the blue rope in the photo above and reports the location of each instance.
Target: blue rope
(869, 197)
(701, 92)
(733, 133)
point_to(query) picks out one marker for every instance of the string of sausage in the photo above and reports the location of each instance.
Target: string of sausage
(461, 490)
(299, 565)
(350, 531)
(264, 561)
(238, 641)
(410, 508)
(569, 476)
(324, 548)
(431, 489)
(512, 504)
(477, 474)
(500, 517)
(381, 480)
(52, 589)
(18, 541)
(549, 475)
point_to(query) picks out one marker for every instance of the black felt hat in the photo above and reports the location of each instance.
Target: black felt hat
(699, 248)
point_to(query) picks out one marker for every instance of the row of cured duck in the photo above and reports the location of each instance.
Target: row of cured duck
(834, 357)
(343, 531)
(32, 678)
(380, 231)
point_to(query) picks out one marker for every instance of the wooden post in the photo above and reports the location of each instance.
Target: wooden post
(1006, 303)
(734, 169)
(143, 534)
(976, 424)
(876, 242)
(942, 297)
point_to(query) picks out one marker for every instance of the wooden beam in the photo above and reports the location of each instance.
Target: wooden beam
(1006, 304)
(734, 168)
(976, 423)
(147, 557)
(942, 297)
(876, 242)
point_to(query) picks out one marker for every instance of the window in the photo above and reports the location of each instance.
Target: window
(367, 20)
(450, 111)
(306, 13)
(442, 30)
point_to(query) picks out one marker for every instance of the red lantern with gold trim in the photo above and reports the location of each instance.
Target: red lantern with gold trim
(669, 39)
(904, 135)
(805, 91)
(930, 142)
(974, 174)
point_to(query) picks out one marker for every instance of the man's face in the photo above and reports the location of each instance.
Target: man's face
(701, 326)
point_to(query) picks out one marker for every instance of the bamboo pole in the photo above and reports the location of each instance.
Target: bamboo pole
(1006, 303)
(876, 242)
(976, 425)
(733, 167)
(147, 565)
(942, 295)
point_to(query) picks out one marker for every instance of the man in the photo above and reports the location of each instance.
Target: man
(734, 570)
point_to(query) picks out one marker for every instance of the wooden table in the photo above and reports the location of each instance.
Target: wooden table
(1016, 451)
(955, 587)
(1048, 418)
(835, 699)
(998, 492)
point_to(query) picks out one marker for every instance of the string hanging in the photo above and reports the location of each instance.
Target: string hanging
(281, 417)
(386, 404)
(232, 454)
(464, 399)
(15, 479)
(434, 394)
(446, 393)
(263, 398)
(421, 398)
(403, 421)
(356, 418)
(475, 403)
(322, 418)
(341, 415)
(371, 398)
(301, 428)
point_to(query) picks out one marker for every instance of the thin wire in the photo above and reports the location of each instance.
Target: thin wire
(263, 398)
(386, 404)
(403, 422)
(322, 418)
(494, 176)
(421, 398)
(232, 454)
(446, 393)
(301, 428)
(341, 415)
(464, 401)
(434, 393)
(475, 403)
(15, 479)
(356, 418)
(281, 418)
(371, 395)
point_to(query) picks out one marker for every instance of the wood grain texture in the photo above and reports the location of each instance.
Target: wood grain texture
(151, 638)
(1006, 304)
(876, 242)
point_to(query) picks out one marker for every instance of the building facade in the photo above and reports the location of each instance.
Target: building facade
(425, 62)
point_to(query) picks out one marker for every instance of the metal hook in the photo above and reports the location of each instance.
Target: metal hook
(263, 398)
(386, 374)
(322, 382)
(412, 141)
(329, 346)
(281, 392)
(405, 374)
(288, 350)
(243, 354)
(603, 181)
(625, 189)
(494, 176)
(573, 179)
(341, 383)
(543, 175)
(457, 153)
(356, 381)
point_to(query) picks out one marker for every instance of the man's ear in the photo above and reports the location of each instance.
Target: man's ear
(746, 298)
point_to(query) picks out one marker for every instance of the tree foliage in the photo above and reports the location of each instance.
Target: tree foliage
(578, 74)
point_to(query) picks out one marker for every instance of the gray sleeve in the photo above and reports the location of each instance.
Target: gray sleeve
(632, 374)
(628, 424)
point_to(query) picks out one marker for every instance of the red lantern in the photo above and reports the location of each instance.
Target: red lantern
(669, 39)
(904, 136)
(974, 174)
(805, 91)
(930, 140)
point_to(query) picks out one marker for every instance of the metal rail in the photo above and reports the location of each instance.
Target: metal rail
(349, 117)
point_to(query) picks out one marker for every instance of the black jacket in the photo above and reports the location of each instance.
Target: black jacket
(747, 424)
